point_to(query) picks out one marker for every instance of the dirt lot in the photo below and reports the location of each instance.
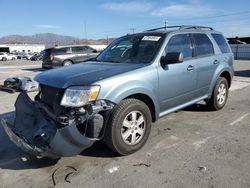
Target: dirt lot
(190, 148)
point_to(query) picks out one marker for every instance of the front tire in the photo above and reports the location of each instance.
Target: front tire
(220, 95)
(4, 59)
(129, 126)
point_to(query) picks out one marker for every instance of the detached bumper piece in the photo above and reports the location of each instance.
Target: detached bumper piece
(37, 131)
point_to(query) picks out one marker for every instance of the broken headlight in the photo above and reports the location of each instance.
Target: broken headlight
(79, 96)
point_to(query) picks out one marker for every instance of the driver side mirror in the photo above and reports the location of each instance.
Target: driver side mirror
(172, 58)
(94, 51)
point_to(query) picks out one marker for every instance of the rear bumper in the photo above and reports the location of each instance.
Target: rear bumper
(47, 66)
(38, 134)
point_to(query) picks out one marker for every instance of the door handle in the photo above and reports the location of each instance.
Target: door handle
(215, 62)
(190, 68)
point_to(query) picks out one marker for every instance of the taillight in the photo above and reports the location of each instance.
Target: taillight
(51, 57)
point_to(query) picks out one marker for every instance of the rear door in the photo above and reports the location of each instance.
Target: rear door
(82, 53)
(225, 55)
(206, 61)
(177, 82)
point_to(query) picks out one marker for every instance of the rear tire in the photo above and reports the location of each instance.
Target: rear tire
(129, 126)
(4, 59)
(67, 63)
(219, 95)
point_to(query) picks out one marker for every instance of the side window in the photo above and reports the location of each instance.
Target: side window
(60, 51)
(180, 43)
(89, 50)
(203, 45)
(78, 50)
(222, 43)
(68, 50)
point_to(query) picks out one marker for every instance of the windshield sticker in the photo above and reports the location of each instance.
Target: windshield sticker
(151, 38)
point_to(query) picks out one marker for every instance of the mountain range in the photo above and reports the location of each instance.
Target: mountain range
(49, 39)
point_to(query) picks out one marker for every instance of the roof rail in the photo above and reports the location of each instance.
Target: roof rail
(182, 27)
(195, 27)
(158, 28)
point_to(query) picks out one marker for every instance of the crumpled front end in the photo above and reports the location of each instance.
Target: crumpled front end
(41, 132)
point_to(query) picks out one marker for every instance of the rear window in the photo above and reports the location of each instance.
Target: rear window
(203, 45)
(222, 43)
(47, 52)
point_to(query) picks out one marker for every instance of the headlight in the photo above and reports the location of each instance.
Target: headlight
(79, 96)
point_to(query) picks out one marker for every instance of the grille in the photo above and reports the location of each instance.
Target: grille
(51, 96)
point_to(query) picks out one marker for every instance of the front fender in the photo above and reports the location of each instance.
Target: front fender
(120, 91)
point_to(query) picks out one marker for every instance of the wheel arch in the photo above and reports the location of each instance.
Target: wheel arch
(226, 75)
(147, 100)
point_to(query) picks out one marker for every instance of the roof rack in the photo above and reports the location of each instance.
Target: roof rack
(182, 27)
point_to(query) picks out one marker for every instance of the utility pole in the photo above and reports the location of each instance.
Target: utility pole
(107, 39)
(165, 24)
(85, 31)
(133, 30)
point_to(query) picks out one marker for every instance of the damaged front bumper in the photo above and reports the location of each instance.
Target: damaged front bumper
(39, 132)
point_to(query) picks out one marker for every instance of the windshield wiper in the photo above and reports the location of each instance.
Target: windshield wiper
(94, 59)
(111, 61)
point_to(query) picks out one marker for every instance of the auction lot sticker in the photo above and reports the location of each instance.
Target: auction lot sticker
(151, 38)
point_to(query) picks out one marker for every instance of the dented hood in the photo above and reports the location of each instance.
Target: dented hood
(83, 73)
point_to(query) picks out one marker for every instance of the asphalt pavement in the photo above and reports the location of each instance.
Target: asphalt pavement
(192, 148)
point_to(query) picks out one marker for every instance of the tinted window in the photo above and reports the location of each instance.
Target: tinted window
(89, 50)
(78, 49)
(60, 51)
(222, 43)
(180, 43)
(203, 45)
(47, 52)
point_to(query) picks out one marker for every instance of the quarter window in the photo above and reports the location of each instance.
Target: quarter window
(222, 43)
(203, 45)
(180, 43)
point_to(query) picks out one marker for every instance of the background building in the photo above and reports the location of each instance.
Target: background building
(21, 47)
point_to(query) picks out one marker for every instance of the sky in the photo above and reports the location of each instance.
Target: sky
(101, 19)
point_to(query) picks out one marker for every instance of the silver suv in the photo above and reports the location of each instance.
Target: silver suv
(67, 55)
(136, 80)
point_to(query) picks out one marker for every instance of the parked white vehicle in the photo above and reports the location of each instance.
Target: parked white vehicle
(6, 56)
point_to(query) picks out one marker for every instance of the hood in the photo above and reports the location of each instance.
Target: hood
(83, 73)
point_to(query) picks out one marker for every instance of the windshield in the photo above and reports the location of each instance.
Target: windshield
(132, 49)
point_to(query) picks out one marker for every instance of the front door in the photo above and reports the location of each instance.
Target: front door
(177, 82)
